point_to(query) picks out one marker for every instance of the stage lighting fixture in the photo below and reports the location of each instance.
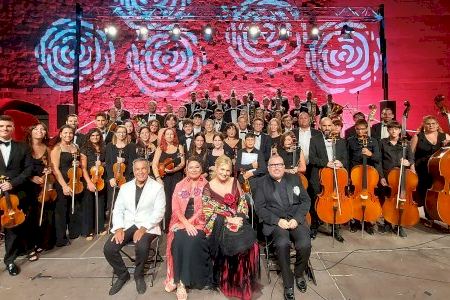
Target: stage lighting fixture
(346, 32)
(314, 34)
(283, 33)
(142, 33)
(111, 31)
(208, 33)
(175, 33)
(254, 31)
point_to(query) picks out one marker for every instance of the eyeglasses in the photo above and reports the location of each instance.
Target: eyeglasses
(280, 165)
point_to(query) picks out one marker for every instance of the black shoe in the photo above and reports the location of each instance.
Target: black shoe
(13, 270)
(301, 284)
(141, 286)
(369, 229)
(62, 243)
(313, 233)
(354, 227)
(401, 232)
(289, 294)
(387, 227)
(117, 286)
(338, 237)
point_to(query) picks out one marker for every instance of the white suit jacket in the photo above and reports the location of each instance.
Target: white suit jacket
(149, 211)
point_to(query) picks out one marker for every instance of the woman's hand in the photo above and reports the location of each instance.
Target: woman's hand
(91, 187)
(67, 191)
(37, 180)
(190, 229)
(112, 182)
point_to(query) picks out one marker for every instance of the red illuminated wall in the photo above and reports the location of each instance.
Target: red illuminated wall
(417, 45)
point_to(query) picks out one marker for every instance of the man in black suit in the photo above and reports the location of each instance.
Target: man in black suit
(325, 110)
(100, 123)
(192, 106)
(187, 138)
(321, 156)
(296, 110)
(122, 114)
(255, 169)
(282, 203)
(351, 130)
(16, 164)
(310, 106)
(279, 102)
(380, 130)
(220, 103)
(262, 140)
(203, 110)
(152, 115)
(219, 123)
(72, 121)
(232, 114)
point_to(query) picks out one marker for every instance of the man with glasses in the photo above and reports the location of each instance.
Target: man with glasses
(282, 203)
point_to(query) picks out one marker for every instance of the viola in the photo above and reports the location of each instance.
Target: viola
(12, 215)
(75, 175)
(168, 164)
(333, 206)
(118, 169)
(97, 172)
(366, 205)
(400, 209)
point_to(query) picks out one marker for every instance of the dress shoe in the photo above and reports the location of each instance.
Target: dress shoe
(401, 232)
(387, 227)
(301, 284)
(141, 286)
(289, 294)
(369, 228)
(13, 270)
(313, 233)
(338, 237)
(117, 286)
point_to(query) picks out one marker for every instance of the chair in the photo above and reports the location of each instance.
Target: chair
(271, 266)
(150, 264)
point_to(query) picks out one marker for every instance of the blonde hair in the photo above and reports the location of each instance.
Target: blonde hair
(220, 161)
(427, 118)
(114, 138)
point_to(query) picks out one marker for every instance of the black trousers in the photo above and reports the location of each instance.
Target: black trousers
(64, 219)
(282, 241)
(142, 248)
(14, 242)
(88, 215)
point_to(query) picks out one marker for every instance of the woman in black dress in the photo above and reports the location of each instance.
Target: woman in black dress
(131, 131)
(199, 150)
(93, 155)
(218, 150)
(62, 156)
(292, 154)
(154, 129)
(169, 153)
(274, 131)
(144, 147)
(232, 140)
(429, 139)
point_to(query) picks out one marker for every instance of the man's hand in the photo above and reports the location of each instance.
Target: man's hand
(293, 224)
(138, 234)
(383, 182)
(37, 180)
(112, 182)
(283, 224)
(6, 186)
(367, 152)
(118, 236)
(255, 165)
(405, 162)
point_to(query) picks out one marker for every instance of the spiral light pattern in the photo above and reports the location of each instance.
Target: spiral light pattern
(166, 68)
(340, 65)
(56, 55)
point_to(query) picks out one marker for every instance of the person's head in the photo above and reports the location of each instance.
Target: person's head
(326, 126)
(169, 108)
(101, 121)
(276, 167)
(218, 141)
(337, 126)
(181, 112)
(249, 141)
(259, 113)
(170, 121)
(266, 102)
(197, 119)
(120, 135)
(193, 96)
(112, 112)
(394, 129)
(203, 103)
(152, 107)
(329, 98)
(387, 115)
(358, 116)
(194, 168)
(430, 124)
(250, 95)
(65, 133)
(309, 95)
(154, 126)
(233, 102)
(286, 119)
(144, 134)
(72, 121)
(141, 169)
(245, 99)
(39, 132)
(118, 102)
(242, 122)
(278, 114)
(223, 167)
(129, 125)
(94, 137)
(296, 100)
(219, 98)
(218, 114)
(188, 126)
(169, 137)
(279, 92)
(209, 126)
(274, 126)
(199, 141)
(303, 120)
(206, 93)
(361, 128)
(287, 140)
(258, 124)
(231, 130)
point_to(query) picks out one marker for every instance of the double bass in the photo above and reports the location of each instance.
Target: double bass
(366, 205)
(333, 206)
(400, 209)
(437, 200)
(12, 215)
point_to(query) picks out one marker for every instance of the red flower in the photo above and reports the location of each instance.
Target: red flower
(229, 199)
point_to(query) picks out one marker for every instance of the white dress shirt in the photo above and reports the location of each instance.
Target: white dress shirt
(6, 151)
(258, 140)
(234, 115)
(329, 147)
(384, 131)
(151, 117)
(304, 138)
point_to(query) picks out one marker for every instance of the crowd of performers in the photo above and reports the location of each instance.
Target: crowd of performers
(214, 177)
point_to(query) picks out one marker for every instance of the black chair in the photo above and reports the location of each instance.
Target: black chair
(150, 264)
(272, 266)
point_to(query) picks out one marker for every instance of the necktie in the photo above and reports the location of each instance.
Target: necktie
(5, 143)
(257, 134)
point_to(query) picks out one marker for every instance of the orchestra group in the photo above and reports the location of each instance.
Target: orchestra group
(215, 177)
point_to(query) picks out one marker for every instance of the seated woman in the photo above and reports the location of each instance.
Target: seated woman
(232, 240)
(292, 154)
(188, 260)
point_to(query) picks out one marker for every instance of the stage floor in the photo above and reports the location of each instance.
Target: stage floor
(375, 267)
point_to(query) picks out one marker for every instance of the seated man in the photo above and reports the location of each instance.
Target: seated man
(138, 210)
(282, 203)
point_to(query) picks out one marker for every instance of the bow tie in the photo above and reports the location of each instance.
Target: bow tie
(189, 136)
(152, 115)
(5, 143)
(257, 134)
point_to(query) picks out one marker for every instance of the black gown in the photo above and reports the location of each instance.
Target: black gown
(424, 150)
(191, 259)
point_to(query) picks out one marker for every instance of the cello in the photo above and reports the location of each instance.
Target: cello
(333, 206)
(366, 206)
(400, 209)
(12, 215)
(437, 200)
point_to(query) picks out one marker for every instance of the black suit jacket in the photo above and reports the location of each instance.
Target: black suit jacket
(314, 132)
(349, 132)
(20, 164)
(318, 158)
(265, 146)
(189, 109)
(159, 117)
(270, 208)
(227, 114)
(125, 115)
(208, 113)
(222, 125)
(375, 131)
(260, 171)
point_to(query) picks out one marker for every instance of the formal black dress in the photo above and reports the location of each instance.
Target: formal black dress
(424, 150)
(191, 259)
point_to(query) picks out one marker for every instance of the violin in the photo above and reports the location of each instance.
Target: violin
(118, 169)
(12, 215)
(400, 209)
(97, 172)
(168, 164)
(333, 206)
(75, 183)
(366, 205)
(48, 193)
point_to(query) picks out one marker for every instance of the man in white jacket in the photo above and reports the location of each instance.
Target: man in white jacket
(138, 210)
